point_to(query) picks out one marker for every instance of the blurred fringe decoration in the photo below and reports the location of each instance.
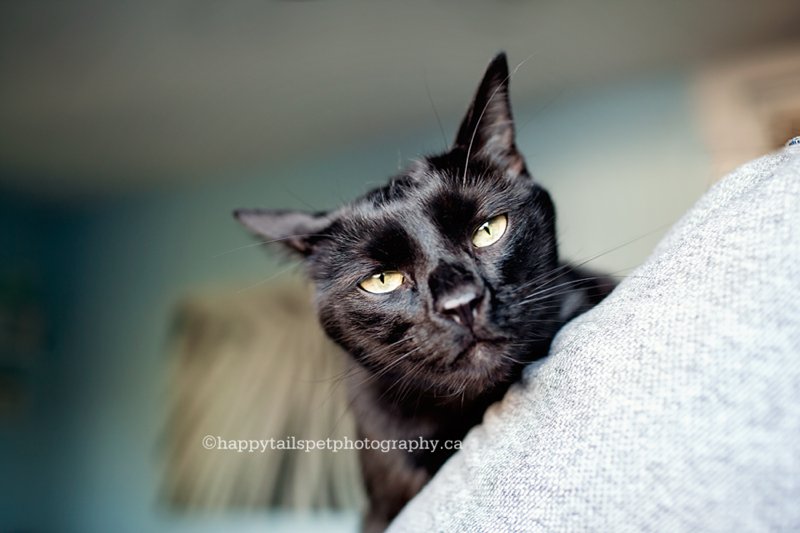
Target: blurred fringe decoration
(257, 365)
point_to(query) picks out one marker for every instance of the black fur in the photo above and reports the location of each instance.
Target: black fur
(421, 368)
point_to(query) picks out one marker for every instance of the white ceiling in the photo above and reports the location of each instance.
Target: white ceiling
(107, 96)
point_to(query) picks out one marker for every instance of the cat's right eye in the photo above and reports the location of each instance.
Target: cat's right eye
(490, 231)
(382, 282)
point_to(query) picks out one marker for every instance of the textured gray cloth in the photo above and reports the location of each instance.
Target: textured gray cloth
(672, 406)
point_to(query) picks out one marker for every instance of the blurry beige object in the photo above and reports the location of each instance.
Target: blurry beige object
(256, 365)
(749, 105)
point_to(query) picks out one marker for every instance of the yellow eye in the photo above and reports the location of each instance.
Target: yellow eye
(490, 231)
(383, 282)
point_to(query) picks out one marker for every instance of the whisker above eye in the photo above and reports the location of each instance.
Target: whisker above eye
(435, 112)
(265, 280)
(271, 241)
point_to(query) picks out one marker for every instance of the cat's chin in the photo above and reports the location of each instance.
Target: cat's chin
(479, 368)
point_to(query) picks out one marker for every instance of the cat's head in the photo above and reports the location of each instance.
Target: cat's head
(421, 280)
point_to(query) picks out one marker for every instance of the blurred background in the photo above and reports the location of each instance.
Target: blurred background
(136, 316)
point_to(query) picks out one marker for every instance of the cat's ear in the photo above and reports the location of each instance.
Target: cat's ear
(487, 129)
(296, 230)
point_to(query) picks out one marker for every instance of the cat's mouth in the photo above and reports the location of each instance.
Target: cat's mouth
(479, 347)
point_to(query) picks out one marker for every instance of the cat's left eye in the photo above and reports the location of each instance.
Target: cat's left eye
(382, 282)
(490, 231)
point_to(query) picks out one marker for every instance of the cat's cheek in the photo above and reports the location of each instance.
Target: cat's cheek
(333, 329)
(490, 264)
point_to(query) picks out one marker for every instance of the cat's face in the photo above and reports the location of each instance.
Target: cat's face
(421, 280)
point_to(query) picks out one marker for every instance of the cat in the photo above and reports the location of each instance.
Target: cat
(442, 285)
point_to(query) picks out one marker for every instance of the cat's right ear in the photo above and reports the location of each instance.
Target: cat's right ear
(296, 230)
(487, 129)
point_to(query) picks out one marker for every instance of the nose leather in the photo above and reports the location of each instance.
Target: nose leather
(459, 300)
(462, 308)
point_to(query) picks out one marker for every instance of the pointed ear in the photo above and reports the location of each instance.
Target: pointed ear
(487, 129)
(296, 230)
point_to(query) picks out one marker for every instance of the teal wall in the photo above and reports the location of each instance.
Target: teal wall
(621, 161)
(23, 277)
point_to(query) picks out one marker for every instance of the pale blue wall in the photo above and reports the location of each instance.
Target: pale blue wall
(620, 161)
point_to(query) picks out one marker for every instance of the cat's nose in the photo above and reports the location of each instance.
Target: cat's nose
(461, 307)
(457, 293)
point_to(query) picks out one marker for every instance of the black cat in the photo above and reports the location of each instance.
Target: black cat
(442, 285)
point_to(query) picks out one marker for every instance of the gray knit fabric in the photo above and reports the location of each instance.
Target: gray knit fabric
(673, 406)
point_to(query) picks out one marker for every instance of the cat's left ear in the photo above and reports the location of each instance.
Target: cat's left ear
(487, 129)
(296, 230)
